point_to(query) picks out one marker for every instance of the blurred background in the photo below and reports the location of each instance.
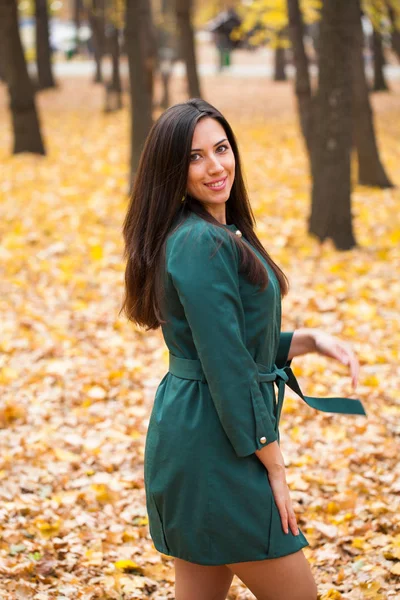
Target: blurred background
(312, 91)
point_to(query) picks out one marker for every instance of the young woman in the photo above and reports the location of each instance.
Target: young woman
(216, 492)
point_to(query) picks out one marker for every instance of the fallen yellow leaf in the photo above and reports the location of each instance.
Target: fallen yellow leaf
(128, 566)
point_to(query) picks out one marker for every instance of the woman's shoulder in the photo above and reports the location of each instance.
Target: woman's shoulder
(193, 229)
(195, 236)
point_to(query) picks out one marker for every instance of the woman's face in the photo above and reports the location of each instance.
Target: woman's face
(212, 164)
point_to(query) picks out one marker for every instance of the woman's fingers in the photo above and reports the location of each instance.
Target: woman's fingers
(284, 516)
(345, 355)
(354, 365)
(331, 346)
(283, 503)
(293, 525)
(288, 519)
(354, 369)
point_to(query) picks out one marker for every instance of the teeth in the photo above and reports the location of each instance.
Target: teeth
(218, 184)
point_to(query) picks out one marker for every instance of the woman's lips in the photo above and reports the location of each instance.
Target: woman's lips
(218, 187)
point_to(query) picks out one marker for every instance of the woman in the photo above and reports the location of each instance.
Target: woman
(216, 492)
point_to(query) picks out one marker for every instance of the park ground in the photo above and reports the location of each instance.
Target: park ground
(77, 380)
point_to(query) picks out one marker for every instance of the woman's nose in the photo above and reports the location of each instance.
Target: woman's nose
(215, 165)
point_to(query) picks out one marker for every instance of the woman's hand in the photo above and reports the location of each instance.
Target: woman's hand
(280, 490)
(331, 346)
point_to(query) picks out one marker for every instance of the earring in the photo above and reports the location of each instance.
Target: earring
(183, 198)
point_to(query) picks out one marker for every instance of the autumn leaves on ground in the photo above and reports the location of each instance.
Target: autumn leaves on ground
(77, 381)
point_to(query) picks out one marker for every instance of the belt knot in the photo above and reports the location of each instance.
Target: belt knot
(192, 369)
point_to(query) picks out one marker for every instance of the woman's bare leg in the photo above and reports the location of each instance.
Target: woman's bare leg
(285, 578)
(200, 582)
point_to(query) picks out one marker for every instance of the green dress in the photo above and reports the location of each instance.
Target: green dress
(208, 496)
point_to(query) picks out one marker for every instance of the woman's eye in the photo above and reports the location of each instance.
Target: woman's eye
(220, 150)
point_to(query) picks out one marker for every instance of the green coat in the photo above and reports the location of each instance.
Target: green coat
(208, 496)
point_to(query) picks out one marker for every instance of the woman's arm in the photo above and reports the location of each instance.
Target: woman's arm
(272, 459)
(306, 340)
(303, 342)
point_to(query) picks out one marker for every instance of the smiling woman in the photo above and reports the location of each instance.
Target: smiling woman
(216, 492)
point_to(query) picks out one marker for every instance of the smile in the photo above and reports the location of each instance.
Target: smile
(218, 185)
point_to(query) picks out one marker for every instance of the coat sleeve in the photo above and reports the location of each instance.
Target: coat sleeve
(285, 339)
(203, 266)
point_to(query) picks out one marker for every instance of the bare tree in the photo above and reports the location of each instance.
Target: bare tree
(184, 10)
(97, 25)
(113, 87)
(395, 34)
(27, 136)
(280, 57)
(167, 46)
(77, 13)
(370, 169)
(43, 50)
(140, 47)
(302, 79)
(314, 126)
(380, 84)
(331, 144)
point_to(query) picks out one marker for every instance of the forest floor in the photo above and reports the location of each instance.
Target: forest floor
(77, 380)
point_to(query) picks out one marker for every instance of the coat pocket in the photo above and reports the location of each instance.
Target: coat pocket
(156, 525)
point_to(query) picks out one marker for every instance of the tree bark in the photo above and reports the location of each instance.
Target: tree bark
(280, 60)
(331, 148)
(27, 136)
(43, 51)
(302, 77)
(97, 25)
(140, 50)
(379, 62)
(188, 53)
(166, 49)
(279, 66)
(395, 34)
(114, 87)
(115, 55)
(370, 168)
(77, 7)
(2, 72)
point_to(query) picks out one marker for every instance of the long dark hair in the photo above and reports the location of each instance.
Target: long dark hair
(156, 206)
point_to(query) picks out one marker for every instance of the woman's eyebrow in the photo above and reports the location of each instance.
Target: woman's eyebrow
(217, 144)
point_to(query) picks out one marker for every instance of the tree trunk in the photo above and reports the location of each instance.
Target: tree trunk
(331, 149)
(279, 66)
(302, 78)
(114, 88)
(115, 55)
(97, 25)
(166, 49)
(188, 53)
(27, 136)
(165, 81)
(77, 21)
(280, 60)
(139, 38)
(43, 51)
(379, 62)
(370, 169)
(2, 71)
(395, 33)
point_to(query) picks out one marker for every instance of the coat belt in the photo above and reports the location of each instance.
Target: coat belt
(192, 369)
